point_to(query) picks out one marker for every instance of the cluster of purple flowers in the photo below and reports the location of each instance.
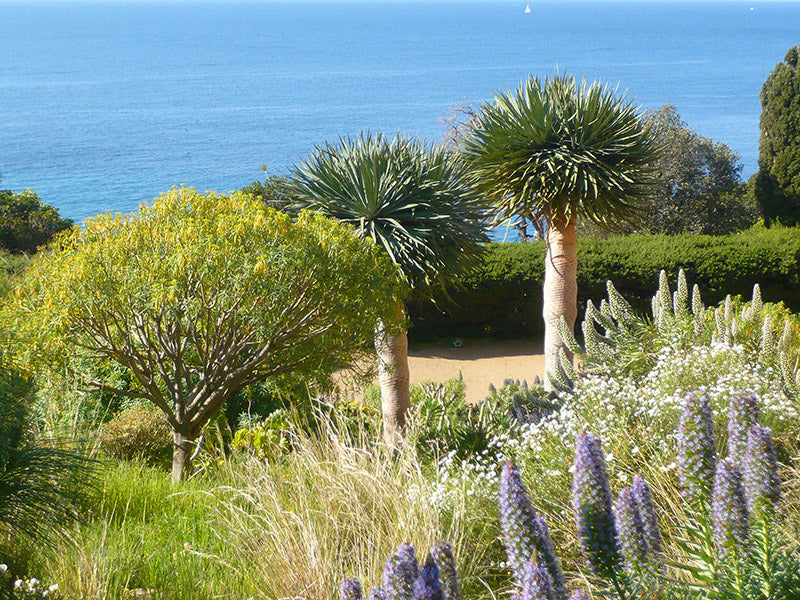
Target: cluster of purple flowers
(627, 534)
(404, 579)
(525, 533)
(741, 487)
(591, 500)
(745, 485)
(697, 449)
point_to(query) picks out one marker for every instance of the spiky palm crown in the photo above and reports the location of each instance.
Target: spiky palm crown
(412, 199)
(558, 148)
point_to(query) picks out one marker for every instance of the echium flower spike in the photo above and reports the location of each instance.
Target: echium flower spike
(761, 482)
(756, 305)
(377, 594)
(697, 301)
(698, 310)
(579, 595)
(647, 511)
(664, 295)
(400, 574)
(620, 308)
(630, 531)
(591, 500)
(768, 340)
(546, 554)
(442, 553)
(742, 415)
(538, 585)
(728, 510)
(516, 520)
(428, 586)
(681, 298)
(350, 589)
(696, 449)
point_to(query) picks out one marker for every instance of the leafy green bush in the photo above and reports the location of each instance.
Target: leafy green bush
(138, 432)
(503, 297)
(26, 223)
(265, 438)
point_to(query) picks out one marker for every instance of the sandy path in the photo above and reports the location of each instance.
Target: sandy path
(480, 363)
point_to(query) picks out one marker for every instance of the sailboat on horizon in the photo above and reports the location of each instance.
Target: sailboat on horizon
(527, 9)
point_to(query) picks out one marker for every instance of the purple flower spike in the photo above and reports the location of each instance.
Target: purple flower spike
(428, 586)
(377, 594)
(546, 554)
(696, 449)
(350, 589)
(443, 555)
(400, 574)
(728, 509)
(647, 511)
(538, 585)
(591, 499)
(742, 415)
(516, 519)
(579, 595)
(630, 531)
(761, 482)
(525, 532)
(409, 556)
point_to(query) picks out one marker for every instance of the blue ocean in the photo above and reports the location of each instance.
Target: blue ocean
(106, 104)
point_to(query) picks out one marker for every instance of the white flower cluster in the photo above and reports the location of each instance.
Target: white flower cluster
(612, 405)
(31, 589)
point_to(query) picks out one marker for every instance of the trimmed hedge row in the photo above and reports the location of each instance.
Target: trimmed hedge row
(503, 298)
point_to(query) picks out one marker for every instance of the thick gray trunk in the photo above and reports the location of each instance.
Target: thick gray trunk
(560, 296)
(393, 376)
(181, 457)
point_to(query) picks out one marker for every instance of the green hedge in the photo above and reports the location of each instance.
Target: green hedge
(503, 298)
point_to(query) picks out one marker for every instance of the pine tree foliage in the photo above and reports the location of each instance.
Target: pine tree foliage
(778, 182)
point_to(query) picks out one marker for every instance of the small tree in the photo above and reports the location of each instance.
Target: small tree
(201, 295)
(26, 223)
(698, 186)
(413, 200)
(561, 150)
(778, 184)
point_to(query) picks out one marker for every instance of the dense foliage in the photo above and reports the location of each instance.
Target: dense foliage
(26, 223)
(410, 198)
(503, 298)
(698, 186)
(559, 148)
(778, 182)
(198, 296)
(41, 480)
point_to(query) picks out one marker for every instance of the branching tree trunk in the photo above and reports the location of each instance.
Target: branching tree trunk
(560, 289)
(199, 296)
(393, 376)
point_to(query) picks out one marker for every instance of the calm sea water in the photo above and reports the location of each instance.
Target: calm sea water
(104, 105)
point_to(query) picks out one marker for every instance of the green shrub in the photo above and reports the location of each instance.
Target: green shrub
(503, 297)
(26, 223)
(137, 432)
